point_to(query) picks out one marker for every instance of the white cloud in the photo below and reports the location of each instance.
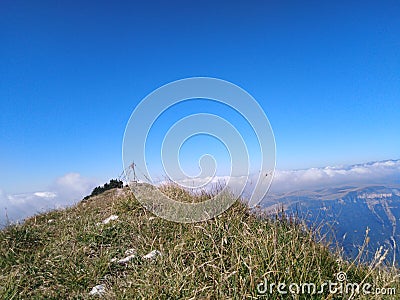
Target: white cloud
(45, 194)
(72, 187)
(65, 190)
(3, 196)
(383, 172)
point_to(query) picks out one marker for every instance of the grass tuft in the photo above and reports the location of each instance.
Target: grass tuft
(222, 258)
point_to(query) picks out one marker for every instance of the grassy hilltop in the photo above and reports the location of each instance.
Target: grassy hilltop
(63, 254)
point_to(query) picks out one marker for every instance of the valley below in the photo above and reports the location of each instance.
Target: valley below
(349, 218)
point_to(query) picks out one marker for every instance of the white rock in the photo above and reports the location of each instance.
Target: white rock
(130, 254)
(126, 259)
(98, 290)
(130, 251)
(151, 218)
(152, 255)
(110, 218)
(50, 221)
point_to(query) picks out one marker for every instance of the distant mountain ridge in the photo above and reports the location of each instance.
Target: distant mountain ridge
(347, 212)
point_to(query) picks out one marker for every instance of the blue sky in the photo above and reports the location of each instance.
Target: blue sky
(71, 73)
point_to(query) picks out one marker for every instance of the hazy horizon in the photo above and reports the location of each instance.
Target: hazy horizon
(72, 187)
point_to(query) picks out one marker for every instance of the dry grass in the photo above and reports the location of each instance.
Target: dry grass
(223, 258)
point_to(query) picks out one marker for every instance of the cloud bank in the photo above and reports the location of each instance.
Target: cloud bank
(65, 190)
(381, 172)
(72, 187)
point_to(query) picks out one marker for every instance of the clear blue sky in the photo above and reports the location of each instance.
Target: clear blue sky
(71, 73)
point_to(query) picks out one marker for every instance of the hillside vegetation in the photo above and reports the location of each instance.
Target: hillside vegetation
(63, 254)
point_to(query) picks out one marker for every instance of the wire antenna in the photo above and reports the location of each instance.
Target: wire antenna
(132, 166)
(126, 174)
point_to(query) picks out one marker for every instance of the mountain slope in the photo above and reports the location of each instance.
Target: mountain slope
(110, 242)
(347, 212)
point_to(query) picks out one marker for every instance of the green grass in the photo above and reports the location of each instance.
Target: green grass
(222, 258)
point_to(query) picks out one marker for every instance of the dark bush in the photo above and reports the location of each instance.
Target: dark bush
(114, 183)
